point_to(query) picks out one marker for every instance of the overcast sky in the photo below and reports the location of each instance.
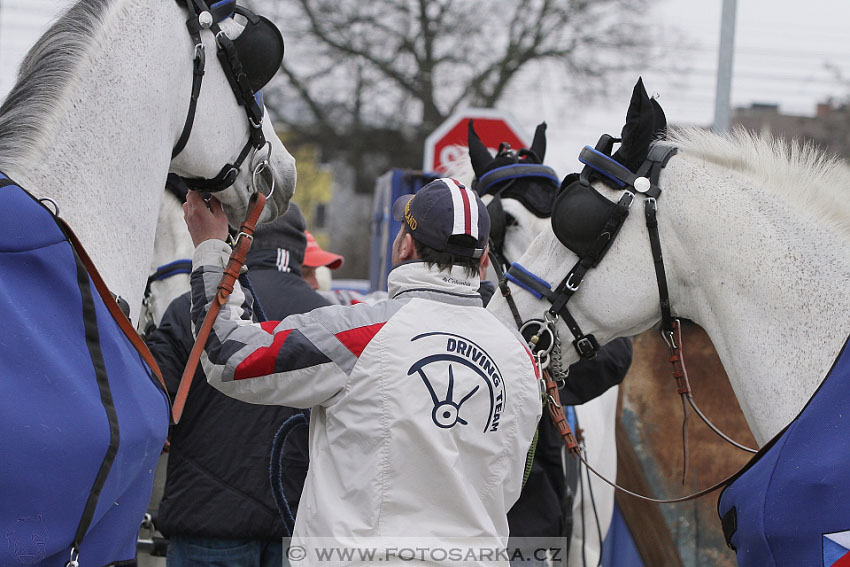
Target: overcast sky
(783, 51)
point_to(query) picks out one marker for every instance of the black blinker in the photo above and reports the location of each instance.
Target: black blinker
(579, 216)
(260, 48)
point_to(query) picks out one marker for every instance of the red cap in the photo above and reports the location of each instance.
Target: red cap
(314, 256)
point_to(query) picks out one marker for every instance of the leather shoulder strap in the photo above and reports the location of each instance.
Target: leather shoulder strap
(123, 322)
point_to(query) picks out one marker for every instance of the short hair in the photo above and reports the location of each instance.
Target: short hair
(444, 261)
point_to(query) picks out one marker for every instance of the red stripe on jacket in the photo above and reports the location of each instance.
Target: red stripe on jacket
(261, 362)
(357, 339)
(533, 362)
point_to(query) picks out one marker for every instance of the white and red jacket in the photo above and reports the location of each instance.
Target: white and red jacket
(424, 405)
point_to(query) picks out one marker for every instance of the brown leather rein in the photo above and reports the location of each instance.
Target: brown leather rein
(225, 288)
(680, 374)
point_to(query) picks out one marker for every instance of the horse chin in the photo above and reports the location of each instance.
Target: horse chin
(235, 206)
(235, 200)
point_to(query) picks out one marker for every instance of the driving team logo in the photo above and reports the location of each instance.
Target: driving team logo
(458, 375)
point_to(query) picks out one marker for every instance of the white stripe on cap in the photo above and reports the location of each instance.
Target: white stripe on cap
(461, 217)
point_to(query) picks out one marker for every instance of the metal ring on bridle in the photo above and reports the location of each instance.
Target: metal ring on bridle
(261, 167)
(543, 326)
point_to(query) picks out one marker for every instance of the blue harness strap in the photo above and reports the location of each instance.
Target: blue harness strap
(790, 506)
(515, 171)
(533, 284)
(83, 420)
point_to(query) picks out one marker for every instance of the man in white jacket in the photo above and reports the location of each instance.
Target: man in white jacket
(424, 406)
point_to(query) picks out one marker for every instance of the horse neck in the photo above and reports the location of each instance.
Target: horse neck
(765, 281)
(172, 243)
(106, 148)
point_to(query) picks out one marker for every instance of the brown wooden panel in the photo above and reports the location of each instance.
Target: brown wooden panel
(645, 521)
(651, 421)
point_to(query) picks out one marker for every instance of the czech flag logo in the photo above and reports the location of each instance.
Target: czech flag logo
(836, 549)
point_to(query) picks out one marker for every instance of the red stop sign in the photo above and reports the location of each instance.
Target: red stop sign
(449, 141)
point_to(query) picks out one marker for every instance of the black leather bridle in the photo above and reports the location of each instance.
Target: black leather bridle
(246, 88)
(591, 250)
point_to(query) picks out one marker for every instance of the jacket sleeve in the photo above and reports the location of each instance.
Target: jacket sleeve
(300, 362)
(591, 378)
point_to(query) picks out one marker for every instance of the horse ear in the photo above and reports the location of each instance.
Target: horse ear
(478, 153)
(639, 130)
(659, 121)
(538, 146)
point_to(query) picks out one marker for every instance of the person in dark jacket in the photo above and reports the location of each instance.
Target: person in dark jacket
(218, 507)
(544, 508)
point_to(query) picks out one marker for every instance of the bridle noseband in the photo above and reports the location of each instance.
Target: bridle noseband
(245, 88)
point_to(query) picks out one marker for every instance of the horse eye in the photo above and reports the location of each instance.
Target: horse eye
(510, 220)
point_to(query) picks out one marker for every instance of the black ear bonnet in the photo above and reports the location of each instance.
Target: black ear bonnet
(583, 219)
(519, 175)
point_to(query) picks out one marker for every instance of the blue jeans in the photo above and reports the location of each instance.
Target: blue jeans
(191, 551)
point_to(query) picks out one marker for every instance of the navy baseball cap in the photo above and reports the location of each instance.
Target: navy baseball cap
(441, 209)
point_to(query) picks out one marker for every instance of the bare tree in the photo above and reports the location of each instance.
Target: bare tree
(368, 81)
(836, 116)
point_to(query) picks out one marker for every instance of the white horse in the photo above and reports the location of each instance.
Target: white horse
(79, 128)
(736, 215)
(172, 245)
(592, 510)
(756, 245)
(100, 102)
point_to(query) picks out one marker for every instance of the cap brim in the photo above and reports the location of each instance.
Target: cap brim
(399, 205)
(316, 258)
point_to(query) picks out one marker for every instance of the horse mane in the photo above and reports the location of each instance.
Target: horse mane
(460, 168)
(797, 172)
(44, 75)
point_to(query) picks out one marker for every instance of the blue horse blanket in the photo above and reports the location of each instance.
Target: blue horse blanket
(83, 421)
(790, 506)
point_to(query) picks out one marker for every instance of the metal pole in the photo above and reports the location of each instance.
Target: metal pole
(722, 96)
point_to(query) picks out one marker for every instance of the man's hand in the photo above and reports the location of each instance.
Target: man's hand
(204, 223)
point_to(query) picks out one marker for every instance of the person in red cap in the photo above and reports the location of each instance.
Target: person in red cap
(424, 406)
(315, 257)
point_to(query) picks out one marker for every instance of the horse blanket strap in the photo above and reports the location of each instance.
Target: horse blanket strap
(112, 305)
(515, 171)
(767, 511)
(225, 288)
